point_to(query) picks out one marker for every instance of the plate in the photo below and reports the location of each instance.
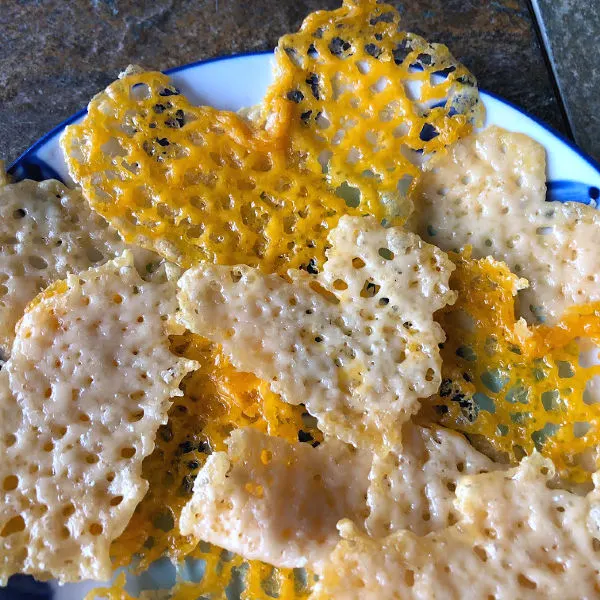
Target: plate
(234, 82)
(240, 81)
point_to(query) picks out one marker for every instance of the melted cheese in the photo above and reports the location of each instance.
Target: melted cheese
(357, 345)
(488, 192)
(516, 538)
(194, 183)
(412, 488)
(511, 387)
(90, 379)
(362, 100)
(46, 232)
(216, 400)
(277, 502)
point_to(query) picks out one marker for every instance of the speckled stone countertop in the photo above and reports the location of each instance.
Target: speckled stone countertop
(54, 55)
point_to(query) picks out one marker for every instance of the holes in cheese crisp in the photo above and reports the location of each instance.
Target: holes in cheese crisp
(386, 253)
(96, 529)
(116, 500)
(480, 553)
(135, 416)
(65, 534)
(324, 293)
(19, 213)
(10, 483)
(117, 299)
(358, 263)
(139, 91)
(14, 525)
(37, 262)
(68, 510)
(128, 452)
(525, 582)
(369, 289)
(340, 285)
(94, 255)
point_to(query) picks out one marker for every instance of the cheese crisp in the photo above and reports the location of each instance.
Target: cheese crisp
(362, 100)
(88, 382)
(197, 184)
(516, 537)
(277, 502)
(357, 344)
(517, 387)
(374, 376)
(47, 231)
(413, 487)
(488, 192)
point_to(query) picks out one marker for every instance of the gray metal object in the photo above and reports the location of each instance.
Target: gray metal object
(570, 30)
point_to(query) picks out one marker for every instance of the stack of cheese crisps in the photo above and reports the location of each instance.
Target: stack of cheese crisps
(258, 341)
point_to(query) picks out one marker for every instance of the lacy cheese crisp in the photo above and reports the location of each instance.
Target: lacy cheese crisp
(516, 537)
(357, 344)
(89, 381)
(195, 183)
(366, 102)
(488, 192)
(512, 387)
(46, 232)
(277, 502)
(412, 488)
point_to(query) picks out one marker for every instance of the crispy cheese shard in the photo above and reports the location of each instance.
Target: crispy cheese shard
(277, 502)
(90, 379)
(413, 487)
(516, 538)
(216, 400)
(488, 192)
(366, 102)
(513, 387)
(357, 344)
(46, 232)
(194, 183)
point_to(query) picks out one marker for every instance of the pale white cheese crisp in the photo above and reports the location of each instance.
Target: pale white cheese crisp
(357, 344)
(412, 487)
(277, 502)
(488, 191)
(516, 538)
(48, 231)
(88, 382)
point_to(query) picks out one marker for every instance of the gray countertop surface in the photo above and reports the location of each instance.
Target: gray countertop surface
(55, 54)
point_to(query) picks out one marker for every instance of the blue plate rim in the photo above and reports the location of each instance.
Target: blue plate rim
(41, 141)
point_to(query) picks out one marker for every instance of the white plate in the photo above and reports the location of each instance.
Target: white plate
(240, 81)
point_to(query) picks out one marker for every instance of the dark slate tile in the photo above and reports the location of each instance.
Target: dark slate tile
(570, 30)
(55, 55)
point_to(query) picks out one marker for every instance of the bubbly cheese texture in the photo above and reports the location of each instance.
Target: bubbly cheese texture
(90, 379)
(194, 183)
(277, 502)
(362, 100)
(46, 232)
(216, 400)
(512, 387)
(516, 538)
(413, 487)
(488, 192)
(357, 344)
